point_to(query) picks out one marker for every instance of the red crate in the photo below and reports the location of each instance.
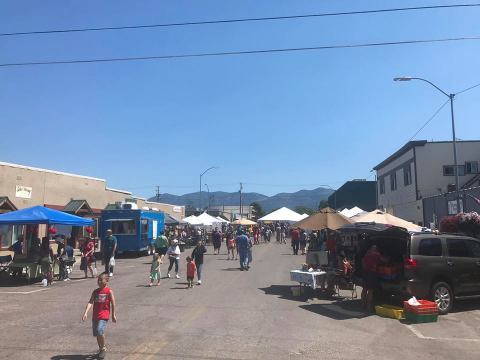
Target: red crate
(425, 307)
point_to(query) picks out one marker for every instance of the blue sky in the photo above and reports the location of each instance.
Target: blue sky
(277, 122)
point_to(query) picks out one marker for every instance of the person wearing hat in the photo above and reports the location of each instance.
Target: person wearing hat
(109, 249)
(173, 253)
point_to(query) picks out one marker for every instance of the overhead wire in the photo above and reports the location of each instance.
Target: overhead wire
(430, 119)
(244, 52)
(227, 21)
(468, 89)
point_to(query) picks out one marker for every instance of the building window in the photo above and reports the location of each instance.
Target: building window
(471, 167)
(382, 185)
(448, 170)
(407, 175)
(393, 181)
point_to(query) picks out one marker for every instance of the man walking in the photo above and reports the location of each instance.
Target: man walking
(242, 246)
(295, 240)
(109, 249)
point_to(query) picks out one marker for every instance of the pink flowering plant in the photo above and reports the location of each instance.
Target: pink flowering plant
(469, 223)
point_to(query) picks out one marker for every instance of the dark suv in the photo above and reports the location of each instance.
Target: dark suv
(442, 267)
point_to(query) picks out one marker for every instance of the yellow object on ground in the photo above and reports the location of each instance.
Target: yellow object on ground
(390, 311)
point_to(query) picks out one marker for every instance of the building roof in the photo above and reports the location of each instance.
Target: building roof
(48, 171)
(5, 202)
(405, 148)
(75, 205)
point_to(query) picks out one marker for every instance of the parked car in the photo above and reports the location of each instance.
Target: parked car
(440, 267)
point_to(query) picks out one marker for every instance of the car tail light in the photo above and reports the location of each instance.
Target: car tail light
(410, 264)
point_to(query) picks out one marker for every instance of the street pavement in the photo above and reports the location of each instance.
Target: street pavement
(232, 315)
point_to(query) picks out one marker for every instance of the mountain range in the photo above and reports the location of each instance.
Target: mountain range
(307, 198)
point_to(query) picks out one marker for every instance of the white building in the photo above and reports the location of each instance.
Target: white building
(421, 169)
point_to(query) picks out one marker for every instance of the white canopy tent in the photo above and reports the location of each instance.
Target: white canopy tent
(355, 211)
(208, 220)
(222, 220)
(282, 214)
(192, 220)
(304, 216)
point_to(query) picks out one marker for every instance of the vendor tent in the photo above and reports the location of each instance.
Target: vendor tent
(192, 220)
(355, 211)
(170, 220)
(222, 220)
(208, 220)
(380, 217)
(244, 222)
(326, 218)
(43, 215)
(282, 214)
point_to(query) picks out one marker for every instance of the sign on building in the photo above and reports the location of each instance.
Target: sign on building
(452, 207)
(24, 192)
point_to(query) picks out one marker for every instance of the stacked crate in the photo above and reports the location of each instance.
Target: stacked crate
(426, 312)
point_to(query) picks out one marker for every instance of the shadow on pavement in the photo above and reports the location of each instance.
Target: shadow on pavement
(231, 269)
(18, 281)
(461, 305)
(285, 292)
(339, 310)
(74, 357)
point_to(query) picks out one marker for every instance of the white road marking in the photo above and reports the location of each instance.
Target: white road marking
(421, 336)
(22, 292)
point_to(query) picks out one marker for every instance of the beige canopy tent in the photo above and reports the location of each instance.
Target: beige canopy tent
(327, 218)
(380, 217)
(244, 222)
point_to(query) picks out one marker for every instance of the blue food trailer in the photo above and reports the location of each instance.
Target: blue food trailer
(134, 229)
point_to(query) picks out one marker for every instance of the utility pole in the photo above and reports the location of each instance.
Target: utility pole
(157, 193)
(240, 191)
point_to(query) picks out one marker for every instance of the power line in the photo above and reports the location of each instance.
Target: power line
(245, 52)
(430, 119)
(227, 21)
(468, 89)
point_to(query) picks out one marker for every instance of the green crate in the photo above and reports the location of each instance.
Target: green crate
(420, 318)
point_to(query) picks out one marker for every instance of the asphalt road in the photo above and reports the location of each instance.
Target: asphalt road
(232, 315)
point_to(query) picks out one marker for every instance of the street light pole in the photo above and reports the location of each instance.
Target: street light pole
(208, 189)
(200, 194)
(454, 140)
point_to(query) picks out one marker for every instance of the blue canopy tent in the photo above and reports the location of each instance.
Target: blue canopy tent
(42, 215)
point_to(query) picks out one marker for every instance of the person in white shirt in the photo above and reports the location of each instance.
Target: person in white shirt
(173, 253)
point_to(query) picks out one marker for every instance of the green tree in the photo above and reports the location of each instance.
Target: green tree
(323, 204)
(304, 210)
(257, 210)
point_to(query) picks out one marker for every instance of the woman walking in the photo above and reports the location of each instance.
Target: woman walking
(197, 257)
(173, 253)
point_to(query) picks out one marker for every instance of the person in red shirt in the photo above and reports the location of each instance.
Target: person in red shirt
(103, 303)
(370, 278)
(295, 235)
(191, 269)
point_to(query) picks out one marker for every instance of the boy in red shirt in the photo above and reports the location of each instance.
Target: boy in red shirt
(191, 269)
(102, 300)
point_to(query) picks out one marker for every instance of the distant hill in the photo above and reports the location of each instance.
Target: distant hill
(307, 198)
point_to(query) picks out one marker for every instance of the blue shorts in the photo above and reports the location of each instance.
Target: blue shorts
(98, 327)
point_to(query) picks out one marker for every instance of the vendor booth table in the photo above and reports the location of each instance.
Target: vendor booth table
(313, 279)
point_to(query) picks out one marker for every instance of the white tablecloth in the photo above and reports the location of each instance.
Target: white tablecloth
(311, 279)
